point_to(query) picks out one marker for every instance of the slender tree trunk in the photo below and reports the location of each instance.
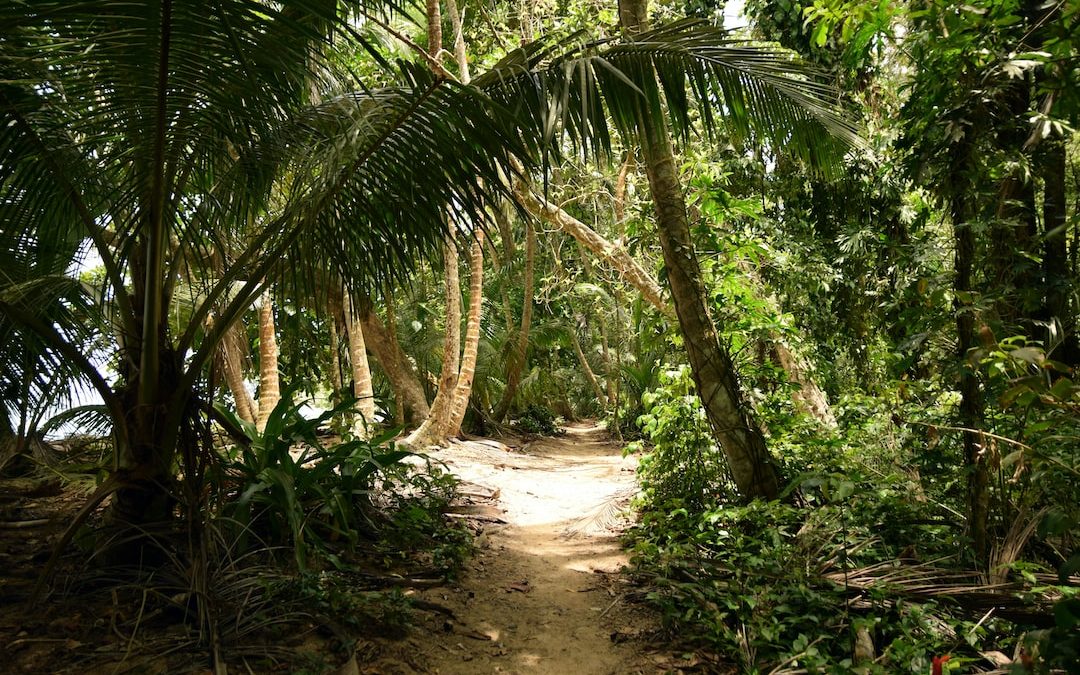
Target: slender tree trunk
(617, 257)
(515, 365)
(743, 444)
(335, 353)
(382, 340)
(361, 372)
(231, 355)
(472, 335)
(585, 367)
(611, 374)
(434, 428)
(434, 26)
(809, 396)
(391, 329)
(459, 41)
(620, 193)
(269, 382)
(971, 401)
(1055, 255)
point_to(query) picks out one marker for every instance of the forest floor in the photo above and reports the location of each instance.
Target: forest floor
(543, 593)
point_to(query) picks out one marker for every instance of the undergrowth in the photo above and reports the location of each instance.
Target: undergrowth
(539, 420)
(861, 568)
(294, 539)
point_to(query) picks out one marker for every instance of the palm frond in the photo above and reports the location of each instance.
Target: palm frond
(688, 68)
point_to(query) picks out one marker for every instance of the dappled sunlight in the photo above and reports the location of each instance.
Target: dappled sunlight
(540, 591)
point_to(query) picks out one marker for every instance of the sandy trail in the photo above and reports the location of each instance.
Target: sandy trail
(542, 594)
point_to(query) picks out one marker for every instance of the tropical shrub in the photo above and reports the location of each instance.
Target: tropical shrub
(538, 419)
(288, 487)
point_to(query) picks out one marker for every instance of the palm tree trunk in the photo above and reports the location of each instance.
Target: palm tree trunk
(463, 390)
(434, 26)
(515, 365)
(742, 442)
(361, 372)
(383, 342)
(434, 428)
(232, 364)
(269, 382)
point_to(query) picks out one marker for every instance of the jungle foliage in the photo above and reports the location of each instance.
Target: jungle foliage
(855, 226)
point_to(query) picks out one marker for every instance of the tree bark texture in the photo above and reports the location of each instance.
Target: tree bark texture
(335, 353)
(382, 341)
(434, 26)
(1055, 265)
(231, 358)
(269, 382)
(434, 429)
(361, 373)
(590, 375)
(971, 400)
(459, 41)
(742, 442)
(463, 390)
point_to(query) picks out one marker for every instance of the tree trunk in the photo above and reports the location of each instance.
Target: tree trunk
(459, 42)
(809, 397)
(585, 367)
(971, 403)
(620, 193)
(231, 357)
(617, 257)
(434, 429)
(335, 354)
(743, 444)
(269, 382)
(472, 335)
(358, 361)
(9, 442)
(434, 26)
(1055, 264)
(391, 329)
(382, 340)
(515, 365)
(611, 373)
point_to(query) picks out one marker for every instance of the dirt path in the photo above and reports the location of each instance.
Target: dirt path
(542, 594)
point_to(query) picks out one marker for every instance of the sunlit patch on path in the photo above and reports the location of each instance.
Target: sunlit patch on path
(542, 594)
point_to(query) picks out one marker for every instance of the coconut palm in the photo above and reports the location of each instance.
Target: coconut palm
(163, 133)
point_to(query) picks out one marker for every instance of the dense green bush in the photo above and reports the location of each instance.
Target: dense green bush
(680, 466)
(783, 583)
(289, 488)
(538, 419)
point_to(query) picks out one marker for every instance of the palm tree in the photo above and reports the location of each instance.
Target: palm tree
(139, 125)
(653, 76)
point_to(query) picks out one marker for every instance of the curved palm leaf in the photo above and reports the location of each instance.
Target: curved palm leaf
(752, 91)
